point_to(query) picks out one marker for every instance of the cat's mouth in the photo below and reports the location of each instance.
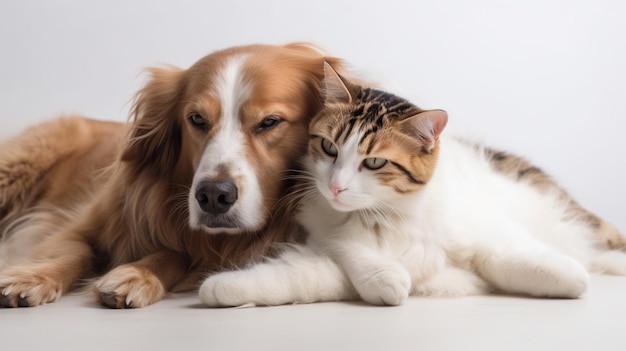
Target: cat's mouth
(340, 206)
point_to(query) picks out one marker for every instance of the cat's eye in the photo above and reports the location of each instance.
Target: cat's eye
(374, 163)
(329, 148)
(198, 121)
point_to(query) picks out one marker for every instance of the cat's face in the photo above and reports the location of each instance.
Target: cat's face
(369, 148)
(349, 176)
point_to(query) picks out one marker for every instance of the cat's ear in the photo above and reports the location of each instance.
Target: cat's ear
(335, 88)
(427, 126)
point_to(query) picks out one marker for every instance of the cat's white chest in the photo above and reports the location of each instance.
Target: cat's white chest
(419, 253)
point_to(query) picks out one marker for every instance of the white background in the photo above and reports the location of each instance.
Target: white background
(545, 79)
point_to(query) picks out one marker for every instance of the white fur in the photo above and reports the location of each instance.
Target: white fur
(468, 231)
(299, 275)
(342, 175)
(227, 152)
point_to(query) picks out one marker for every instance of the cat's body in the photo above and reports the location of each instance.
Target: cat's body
(394, 210)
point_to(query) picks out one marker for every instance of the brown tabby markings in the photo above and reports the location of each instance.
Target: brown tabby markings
(520, 169)
(376, 117)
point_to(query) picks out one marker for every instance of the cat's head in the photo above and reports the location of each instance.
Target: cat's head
(369, 148)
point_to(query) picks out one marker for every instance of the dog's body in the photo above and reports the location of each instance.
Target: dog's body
(47, 175)
(190, 186)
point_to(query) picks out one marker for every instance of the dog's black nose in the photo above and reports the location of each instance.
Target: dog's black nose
(216, 197)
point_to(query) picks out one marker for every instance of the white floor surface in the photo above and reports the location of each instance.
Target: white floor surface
(76, 322)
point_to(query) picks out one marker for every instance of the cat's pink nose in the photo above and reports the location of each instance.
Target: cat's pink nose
(335, 188)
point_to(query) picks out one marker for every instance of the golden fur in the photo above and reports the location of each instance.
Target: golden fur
(127, 215)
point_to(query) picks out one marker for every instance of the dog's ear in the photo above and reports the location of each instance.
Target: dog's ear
(155, 135)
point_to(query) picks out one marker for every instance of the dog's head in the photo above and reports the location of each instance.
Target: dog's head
(229, 127)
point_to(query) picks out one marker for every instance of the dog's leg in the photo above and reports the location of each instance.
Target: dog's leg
(26, 158)
(140, 283)
(57, 263)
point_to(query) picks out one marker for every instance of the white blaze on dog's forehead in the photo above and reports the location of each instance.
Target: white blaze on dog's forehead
(225, 154)
(226, 146)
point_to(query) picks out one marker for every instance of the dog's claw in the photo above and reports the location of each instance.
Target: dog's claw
(5, 301)
(23, 302)
(108, 299)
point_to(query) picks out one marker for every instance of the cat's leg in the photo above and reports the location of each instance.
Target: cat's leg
(432, 273)
(531, 269)
(610, 236)
(378, 279)
(451, 281)
(298, 275)
(609, 262)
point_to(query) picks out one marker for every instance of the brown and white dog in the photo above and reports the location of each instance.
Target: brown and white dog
(190, 186)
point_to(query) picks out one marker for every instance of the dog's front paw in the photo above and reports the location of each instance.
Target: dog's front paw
(28, 287)
(385, 287)
(129, 286)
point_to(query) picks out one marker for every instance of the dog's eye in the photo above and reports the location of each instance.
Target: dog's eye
(198, 121)
(269, 123)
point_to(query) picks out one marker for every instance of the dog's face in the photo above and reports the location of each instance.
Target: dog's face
(237, 121)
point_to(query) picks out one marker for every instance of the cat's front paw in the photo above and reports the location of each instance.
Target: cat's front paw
(386, 287)
(224, 290)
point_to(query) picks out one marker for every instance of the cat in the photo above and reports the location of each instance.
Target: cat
(394, 208)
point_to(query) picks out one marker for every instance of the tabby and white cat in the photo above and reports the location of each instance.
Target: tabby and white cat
(392, 209)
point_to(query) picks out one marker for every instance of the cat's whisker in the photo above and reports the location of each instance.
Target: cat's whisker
(382, 217)
(390, 208)
(305, 194)
(393, 213)
(297, 174)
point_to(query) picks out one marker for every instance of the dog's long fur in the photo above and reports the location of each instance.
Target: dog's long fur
(128, 216)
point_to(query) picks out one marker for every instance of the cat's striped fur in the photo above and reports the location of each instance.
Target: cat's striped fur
(374, 115)
(521, 170)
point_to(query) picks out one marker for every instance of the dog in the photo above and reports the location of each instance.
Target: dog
(190, 185)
